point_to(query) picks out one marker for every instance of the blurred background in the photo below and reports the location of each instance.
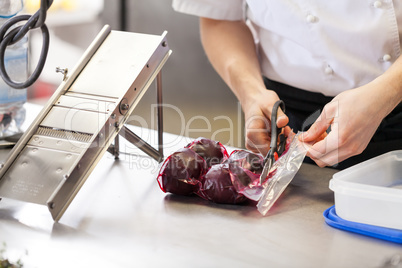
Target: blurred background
(198, 101)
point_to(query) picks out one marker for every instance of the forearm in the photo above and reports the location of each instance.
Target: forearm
(389, 89)
(230, 48)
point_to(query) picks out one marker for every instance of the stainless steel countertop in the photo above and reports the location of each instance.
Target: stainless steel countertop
(120, 218)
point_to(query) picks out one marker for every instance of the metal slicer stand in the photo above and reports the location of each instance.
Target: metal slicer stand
(130, 136)
(57, 153)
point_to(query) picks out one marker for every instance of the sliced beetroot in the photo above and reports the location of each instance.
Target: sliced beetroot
(217, 186)
(212, 151)
(181, 172)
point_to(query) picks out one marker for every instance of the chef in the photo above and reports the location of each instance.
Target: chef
(335, 64)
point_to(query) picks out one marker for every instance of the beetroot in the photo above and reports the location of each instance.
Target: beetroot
(217, 186)
(181, 172)
(204, 167)
(245, 167)
(245, 170)
(213, 152)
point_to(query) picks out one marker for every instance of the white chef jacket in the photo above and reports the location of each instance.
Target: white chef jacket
(316, 45)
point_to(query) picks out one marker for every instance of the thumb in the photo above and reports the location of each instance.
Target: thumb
(282, 120)
(318, 129)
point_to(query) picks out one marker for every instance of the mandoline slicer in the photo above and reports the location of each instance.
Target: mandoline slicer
(53, 158)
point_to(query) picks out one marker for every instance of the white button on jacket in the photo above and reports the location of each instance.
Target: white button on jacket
(377, 4)
(297, 40)
(328, 70)
(386, 57)
(311, 18)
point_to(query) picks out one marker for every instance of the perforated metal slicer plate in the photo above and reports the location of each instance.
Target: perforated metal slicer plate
(57, 153)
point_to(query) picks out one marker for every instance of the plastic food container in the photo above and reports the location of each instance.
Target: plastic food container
(371, 192)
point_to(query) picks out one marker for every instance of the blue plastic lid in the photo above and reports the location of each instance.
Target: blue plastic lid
(332, 219)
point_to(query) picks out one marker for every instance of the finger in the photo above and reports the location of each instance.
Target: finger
(325, 146)
(258, 143)
(330, 159)
(257, 135)
(323, 136)
(251, 147)
(287, 130)
(321, 125)
(326, 150)
(316, 130)
(282, 119)
(335, 156)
